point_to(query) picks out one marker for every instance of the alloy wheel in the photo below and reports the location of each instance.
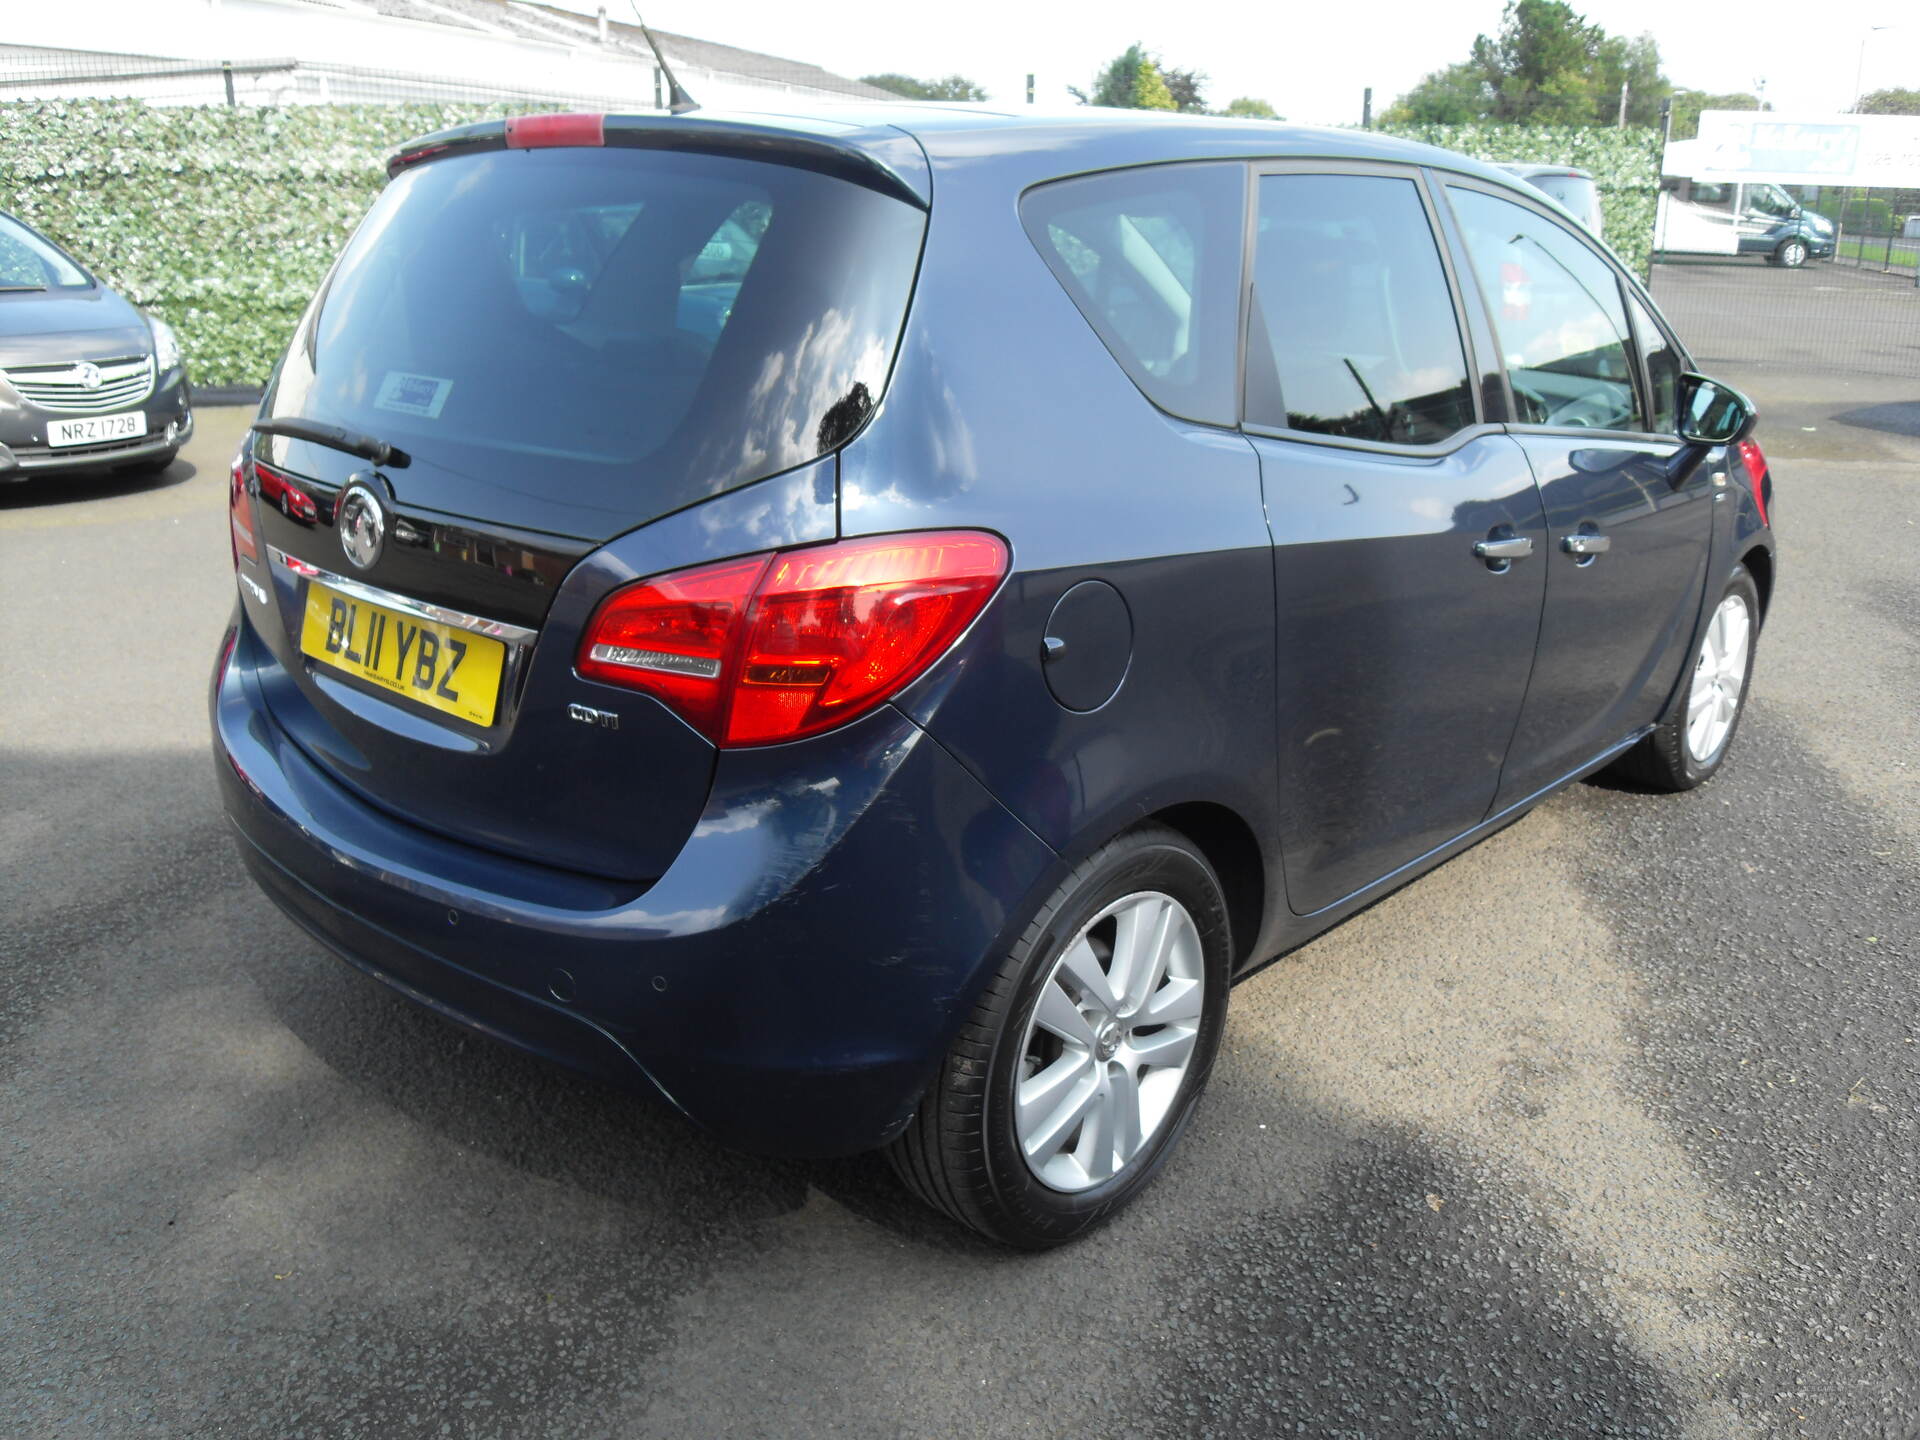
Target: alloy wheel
(1109, 1041)
(1719, 676)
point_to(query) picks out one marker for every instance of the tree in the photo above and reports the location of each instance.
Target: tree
(1150, 90)
(1889, 102)
(1184, 86)
(1687, 105)
(1248, 108)
(952, 87)
(1136, 80)
(1546, 65)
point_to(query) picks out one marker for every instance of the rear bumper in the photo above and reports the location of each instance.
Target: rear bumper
(790, 983)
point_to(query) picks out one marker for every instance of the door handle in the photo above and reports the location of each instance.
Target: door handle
(1517, 548)
(1587, 545)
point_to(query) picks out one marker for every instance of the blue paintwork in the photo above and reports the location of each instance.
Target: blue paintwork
(1617, 630)
(784, 940)
(1382, 598)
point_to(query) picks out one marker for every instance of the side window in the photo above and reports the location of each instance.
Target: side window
(1663, 371)
(712, 278)
(1353, 330)
(1152, 258)
(1556, 308)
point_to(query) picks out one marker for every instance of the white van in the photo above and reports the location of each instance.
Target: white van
(1730, 217)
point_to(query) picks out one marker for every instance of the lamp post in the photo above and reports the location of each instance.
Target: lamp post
(1860, 70)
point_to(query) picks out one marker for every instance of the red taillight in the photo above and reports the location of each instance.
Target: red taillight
(240, 514)
(536, 132)
(774, 647)
(1756, 465)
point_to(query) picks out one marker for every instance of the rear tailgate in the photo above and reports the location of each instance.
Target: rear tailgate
(566, 345)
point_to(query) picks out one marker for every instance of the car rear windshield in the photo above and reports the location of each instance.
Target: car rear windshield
(1576, 192)
(624, 329)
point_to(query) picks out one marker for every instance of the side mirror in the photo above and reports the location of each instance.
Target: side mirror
(1711, 414)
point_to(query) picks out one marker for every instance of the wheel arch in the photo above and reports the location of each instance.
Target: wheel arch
(1228, 842)
(1758, 561)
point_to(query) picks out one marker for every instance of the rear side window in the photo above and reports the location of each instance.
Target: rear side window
(1663, 371)
(1556, 308)
(1353, 330)
(1152, 258)
(628, 329)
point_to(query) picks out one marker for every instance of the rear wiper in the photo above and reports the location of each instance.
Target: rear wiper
(334, 437)
(11, 288)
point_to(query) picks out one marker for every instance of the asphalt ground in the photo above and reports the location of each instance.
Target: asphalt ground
(1606, 1128)
(1744, 313)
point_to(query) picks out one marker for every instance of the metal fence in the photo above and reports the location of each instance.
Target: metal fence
(1857, 311)
(1821, 317)
(1879, 229)
(35, 73)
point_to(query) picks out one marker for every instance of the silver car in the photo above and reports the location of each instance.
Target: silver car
(87, 381)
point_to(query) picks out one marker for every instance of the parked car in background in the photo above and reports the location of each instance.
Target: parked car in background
(868, 626)
(1572, 188)
(86, 380)
(1726, 217)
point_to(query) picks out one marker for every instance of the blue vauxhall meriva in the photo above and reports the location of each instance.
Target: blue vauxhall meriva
(868, 626)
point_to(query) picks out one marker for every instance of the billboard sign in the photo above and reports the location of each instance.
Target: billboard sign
(1801, 149)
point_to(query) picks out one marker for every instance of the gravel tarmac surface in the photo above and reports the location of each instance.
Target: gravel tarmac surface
(1606, 1128)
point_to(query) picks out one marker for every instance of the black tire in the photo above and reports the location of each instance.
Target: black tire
(1791, 252)
(1663, 760)
(961, 1153)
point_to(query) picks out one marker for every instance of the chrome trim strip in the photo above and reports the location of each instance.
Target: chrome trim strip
(419, 609)
(699, 666)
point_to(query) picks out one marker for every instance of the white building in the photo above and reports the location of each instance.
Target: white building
(278, 52)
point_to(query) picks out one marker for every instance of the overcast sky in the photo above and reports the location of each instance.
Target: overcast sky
(1310, 61)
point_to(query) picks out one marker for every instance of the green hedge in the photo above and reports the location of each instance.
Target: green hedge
(1625, 165)
(222, 220)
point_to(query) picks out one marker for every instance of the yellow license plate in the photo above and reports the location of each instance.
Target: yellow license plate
(440, 666)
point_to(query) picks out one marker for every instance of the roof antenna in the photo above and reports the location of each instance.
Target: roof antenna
(679, 102)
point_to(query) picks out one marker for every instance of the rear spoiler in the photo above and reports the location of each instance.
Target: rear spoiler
(881, 158)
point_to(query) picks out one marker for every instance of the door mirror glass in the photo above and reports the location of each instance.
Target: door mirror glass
(1712, 413)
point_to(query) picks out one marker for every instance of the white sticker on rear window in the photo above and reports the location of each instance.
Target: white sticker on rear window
(413, 394)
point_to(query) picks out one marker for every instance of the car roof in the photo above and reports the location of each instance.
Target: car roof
(1089, 137)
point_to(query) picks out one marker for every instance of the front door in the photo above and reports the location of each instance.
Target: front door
(1626, 553)
(1409, 540)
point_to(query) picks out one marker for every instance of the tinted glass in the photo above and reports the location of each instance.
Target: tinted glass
(1663, 371)
(1354, 330)
(1152, 258)
(627, 328)
(1556, 308)
(29, 262)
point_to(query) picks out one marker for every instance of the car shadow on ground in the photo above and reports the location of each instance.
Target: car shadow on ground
(83, 485)
(1338, 1277)
(627, 1146)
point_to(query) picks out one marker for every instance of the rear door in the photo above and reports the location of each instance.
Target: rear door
(1626, 553)
(1408, 533)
